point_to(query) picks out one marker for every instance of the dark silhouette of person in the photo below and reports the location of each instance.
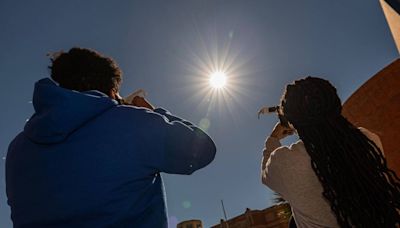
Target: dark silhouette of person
(85, 159)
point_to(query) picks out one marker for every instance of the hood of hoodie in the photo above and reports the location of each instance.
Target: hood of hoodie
(59, 111)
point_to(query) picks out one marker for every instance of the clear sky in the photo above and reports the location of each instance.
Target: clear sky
(166, 48)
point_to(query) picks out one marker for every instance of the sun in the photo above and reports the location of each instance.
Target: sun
(218, 80)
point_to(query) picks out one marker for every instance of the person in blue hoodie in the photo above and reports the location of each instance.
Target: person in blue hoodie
(86, 160)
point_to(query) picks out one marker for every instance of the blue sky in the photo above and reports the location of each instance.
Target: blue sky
(166, 48)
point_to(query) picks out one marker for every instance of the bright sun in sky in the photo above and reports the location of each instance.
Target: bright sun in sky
(218, 80)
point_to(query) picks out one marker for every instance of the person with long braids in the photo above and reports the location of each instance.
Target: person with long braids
(336, 175)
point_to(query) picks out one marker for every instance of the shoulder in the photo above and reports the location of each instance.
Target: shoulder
(368, 133)
(289, 155)
(130, 109)
(286, 165)
(297, 146)
(280, 153)
(133, 119)
(135, 112)
(290, 151)
(372, 136)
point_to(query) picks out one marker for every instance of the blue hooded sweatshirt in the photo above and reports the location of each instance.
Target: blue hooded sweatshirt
(85, 161)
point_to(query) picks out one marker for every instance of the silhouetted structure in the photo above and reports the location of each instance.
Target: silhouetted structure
(194, 223)
(276, 216)
(376, 106)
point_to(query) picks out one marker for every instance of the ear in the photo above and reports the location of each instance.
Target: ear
(114, 94)
(111, 93)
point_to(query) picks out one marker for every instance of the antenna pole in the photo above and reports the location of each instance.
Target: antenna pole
(223, 208)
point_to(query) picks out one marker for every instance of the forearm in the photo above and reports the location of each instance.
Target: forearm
(186, 147)
(271, 144)
(275, 165)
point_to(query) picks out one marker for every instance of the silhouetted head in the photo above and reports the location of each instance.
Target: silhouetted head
(310, 101)
(83, 69)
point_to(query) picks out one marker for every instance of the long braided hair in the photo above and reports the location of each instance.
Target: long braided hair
(361, 190)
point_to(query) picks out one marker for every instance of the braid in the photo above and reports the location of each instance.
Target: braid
(361, 189)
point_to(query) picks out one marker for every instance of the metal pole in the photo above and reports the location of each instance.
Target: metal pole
(223, 208)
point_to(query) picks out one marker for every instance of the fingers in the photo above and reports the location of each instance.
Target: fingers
(141, 102)
(263, 110)
(281, 131)
(138, 93)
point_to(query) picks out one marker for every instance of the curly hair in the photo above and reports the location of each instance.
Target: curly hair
(83, 69)
(361, 190)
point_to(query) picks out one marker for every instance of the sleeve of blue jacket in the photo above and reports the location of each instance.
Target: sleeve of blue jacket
(186, 147)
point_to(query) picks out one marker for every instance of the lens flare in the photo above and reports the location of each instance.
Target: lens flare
(186, 204)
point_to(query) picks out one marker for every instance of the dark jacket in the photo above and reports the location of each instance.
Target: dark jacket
(84, 161)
